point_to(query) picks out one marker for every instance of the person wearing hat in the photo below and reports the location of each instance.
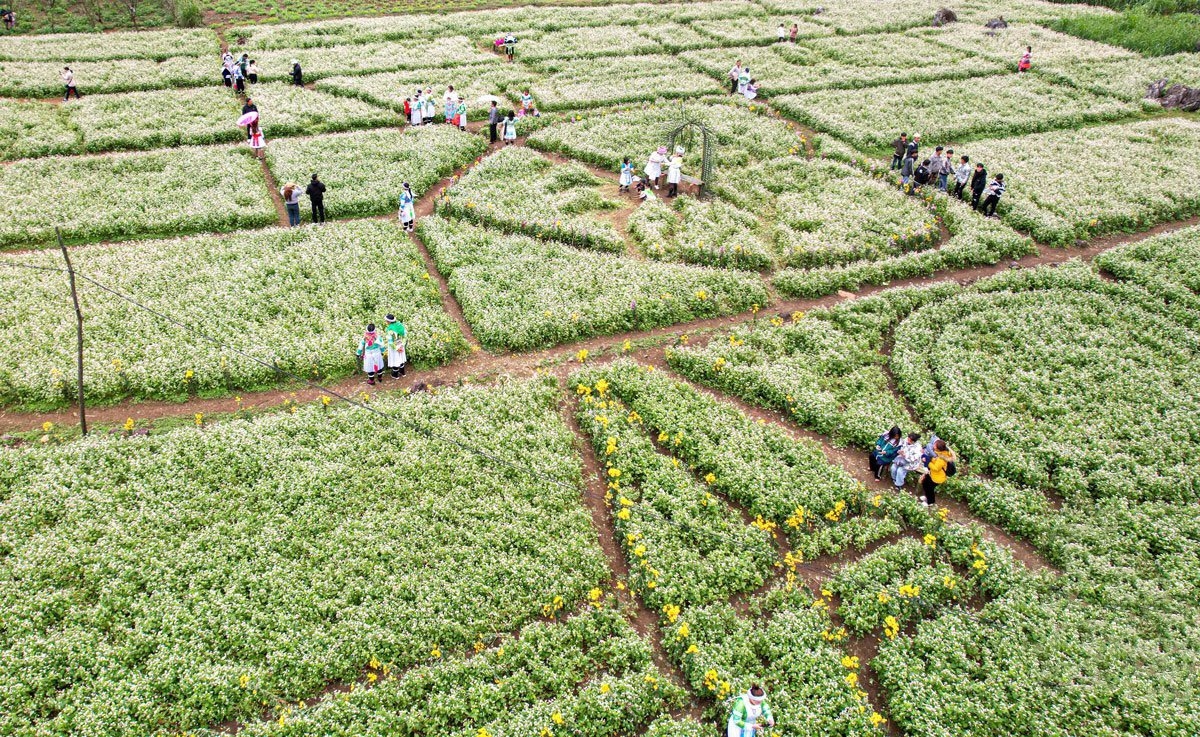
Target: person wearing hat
(297, 73)
(371, 352)
(750, 714)
(396, 340)
(654, 166)
(675, 172)
(408, 214)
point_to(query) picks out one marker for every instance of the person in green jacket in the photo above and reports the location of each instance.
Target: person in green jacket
(396, 340)
(750, 714)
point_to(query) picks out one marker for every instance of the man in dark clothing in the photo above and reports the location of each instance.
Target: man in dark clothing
(316, 195)
(899, 148)
(994, 191)
(906, 169)
(249, 107)
(493, 121)
(914, 146)
(978, 182)
(922, 174)
(297, 74)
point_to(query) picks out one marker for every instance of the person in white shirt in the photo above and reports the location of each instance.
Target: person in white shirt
(451, 104)
(733, 77)
(68, 78)
(781, 32)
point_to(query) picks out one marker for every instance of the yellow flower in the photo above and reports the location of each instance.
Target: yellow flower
(942, 514)
(374, 663)
(651, 585)
(909, 591)
(797, 518)
(640, 551)
(850, 662)
(623, 514)
(129, 424)
(601, 385)
(877, 720)
(701, 295)
(710, 478)
(325, 401)
(582, 355)
(187, 375)
(948, 582)
(614, 472)
(557, 718)
(672, 612)
(199, 418)
(852, 679)
(891, 627)
(719, 363)
(244, 681)
(436, 651)
(930, 540)
(605, 688)
(692, 650)
(626, 346)
(595, 594)
(371, 678)
(47, 426)
(763, 524)
(483, 733)
(583, 390)
(684, 631)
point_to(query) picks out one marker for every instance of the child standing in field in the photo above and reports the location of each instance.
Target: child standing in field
(510, 129)
(626, 176)
(1026, 61)
(370, 350)
(257, 141)
(408, 213)
(396, 340)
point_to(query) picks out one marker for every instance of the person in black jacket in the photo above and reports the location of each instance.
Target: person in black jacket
(914, 145)
(493, 121)
(316, 195)
(899, 149)
(922, 174)
(906, 169)
(994, 191)
(978, 183)
(249, 107)
(297, 74)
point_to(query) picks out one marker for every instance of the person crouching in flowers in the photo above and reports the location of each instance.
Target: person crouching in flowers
(750, 714)
(370, 350)
(908, 459)
(396, 341)
(408, 212)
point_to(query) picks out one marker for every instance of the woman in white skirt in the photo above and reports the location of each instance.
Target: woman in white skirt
(626, 176)
(370, 350)
(396, 340)
(257, 141)
(408, 213)
(510, 129)
(654, 166)
(675, 172)
(430, 106)
(751, 715)
(418, 108)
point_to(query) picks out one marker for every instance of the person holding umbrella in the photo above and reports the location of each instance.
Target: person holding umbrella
(257, 141)
(249, 115)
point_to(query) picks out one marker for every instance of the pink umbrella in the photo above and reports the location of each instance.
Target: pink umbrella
(248, 118)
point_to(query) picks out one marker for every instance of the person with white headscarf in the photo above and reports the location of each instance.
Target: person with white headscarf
(408, 213)
(750, 714)
(418, 109)
(675, 172)
(654, 166)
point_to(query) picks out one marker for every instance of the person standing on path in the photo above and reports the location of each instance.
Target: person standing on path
(408, 212)
(908, 167)
(451, 104)
(899, 149)
(978, 184)
(751, 714)
(794, 32)
(675, 172)
(297, 73)
(68, 78)
(460, 114)
(743, 80)
(252, 72)
(493, 121)
(257, 141)
(734, 74)
(510, 129)
(994, 191)
(316, 196)
(939, 168)
(654, 166)
(396, 342)
(430, 106)
(962, 173)
(370, 350)
(781, 33)
(291, 201)
(1026, 61)
(417, 112)
(626, 176)
(940, 467)
(249, 107)
(914, 146)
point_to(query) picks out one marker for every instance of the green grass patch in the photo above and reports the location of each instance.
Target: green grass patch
(1141, 31)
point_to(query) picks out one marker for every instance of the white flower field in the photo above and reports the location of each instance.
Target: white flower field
(616, 474)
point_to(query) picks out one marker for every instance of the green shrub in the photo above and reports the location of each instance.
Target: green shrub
(1139, 30)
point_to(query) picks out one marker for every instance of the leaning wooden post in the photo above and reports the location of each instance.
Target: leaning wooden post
(78, 331)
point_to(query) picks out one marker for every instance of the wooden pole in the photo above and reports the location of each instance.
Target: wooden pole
(78, 331)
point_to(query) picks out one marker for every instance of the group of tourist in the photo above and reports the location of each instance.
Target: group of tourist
(654, 173)
(237, 72)
(899, 455)
(389, 350)
(290, 192)
(937, 170)
(741, 82)
(422, 107)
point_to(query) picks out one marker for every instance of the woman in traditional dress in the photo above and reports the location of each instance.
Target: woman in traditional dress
(408, 213)
(430, 106)
(750, 714)
(460, 114)
(370, 350)
(626, 176)
(418, 107)
(257, 141)
(396, 340)
(654, 166)
(510, 129)
(675, 172)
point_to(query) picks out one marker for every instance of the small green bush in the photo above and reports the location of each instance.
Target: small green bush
(187, 14)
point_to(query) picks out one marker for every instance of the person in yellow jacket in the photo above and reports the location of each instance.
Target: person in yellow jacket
(938, 469)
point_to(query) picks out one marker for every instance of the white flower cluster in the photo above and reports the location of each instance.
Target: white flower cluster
(710, 233)
(519, 293)
(120, 196)
(365, 170)
(210, 570)
(294, 298)
(76, 47)
(289, 110)
(329, 61)
(44, 78)
(519, 190)
(600, 82)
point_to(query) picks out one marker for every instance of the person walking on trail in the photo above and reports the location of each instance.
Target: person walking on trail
(370, 351)
(994, 191)
(68, 78)
(297, 73)
(899, 149)
(252, 72)
(408, 212)
(626, 176)
(734, 74)
(494, 121)
(750, 715)
(510, 129)
(938, 469)
(247, 108)
(396, 342)
(675, 172)
(510, 46)
(291, 201)
(257, 141)
(781, 32)
(887, 446)
(978, 184)
(654, 166)
(908, 458)
(1026, 61)
(239, 79)
(962, 173)
(316, 196)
